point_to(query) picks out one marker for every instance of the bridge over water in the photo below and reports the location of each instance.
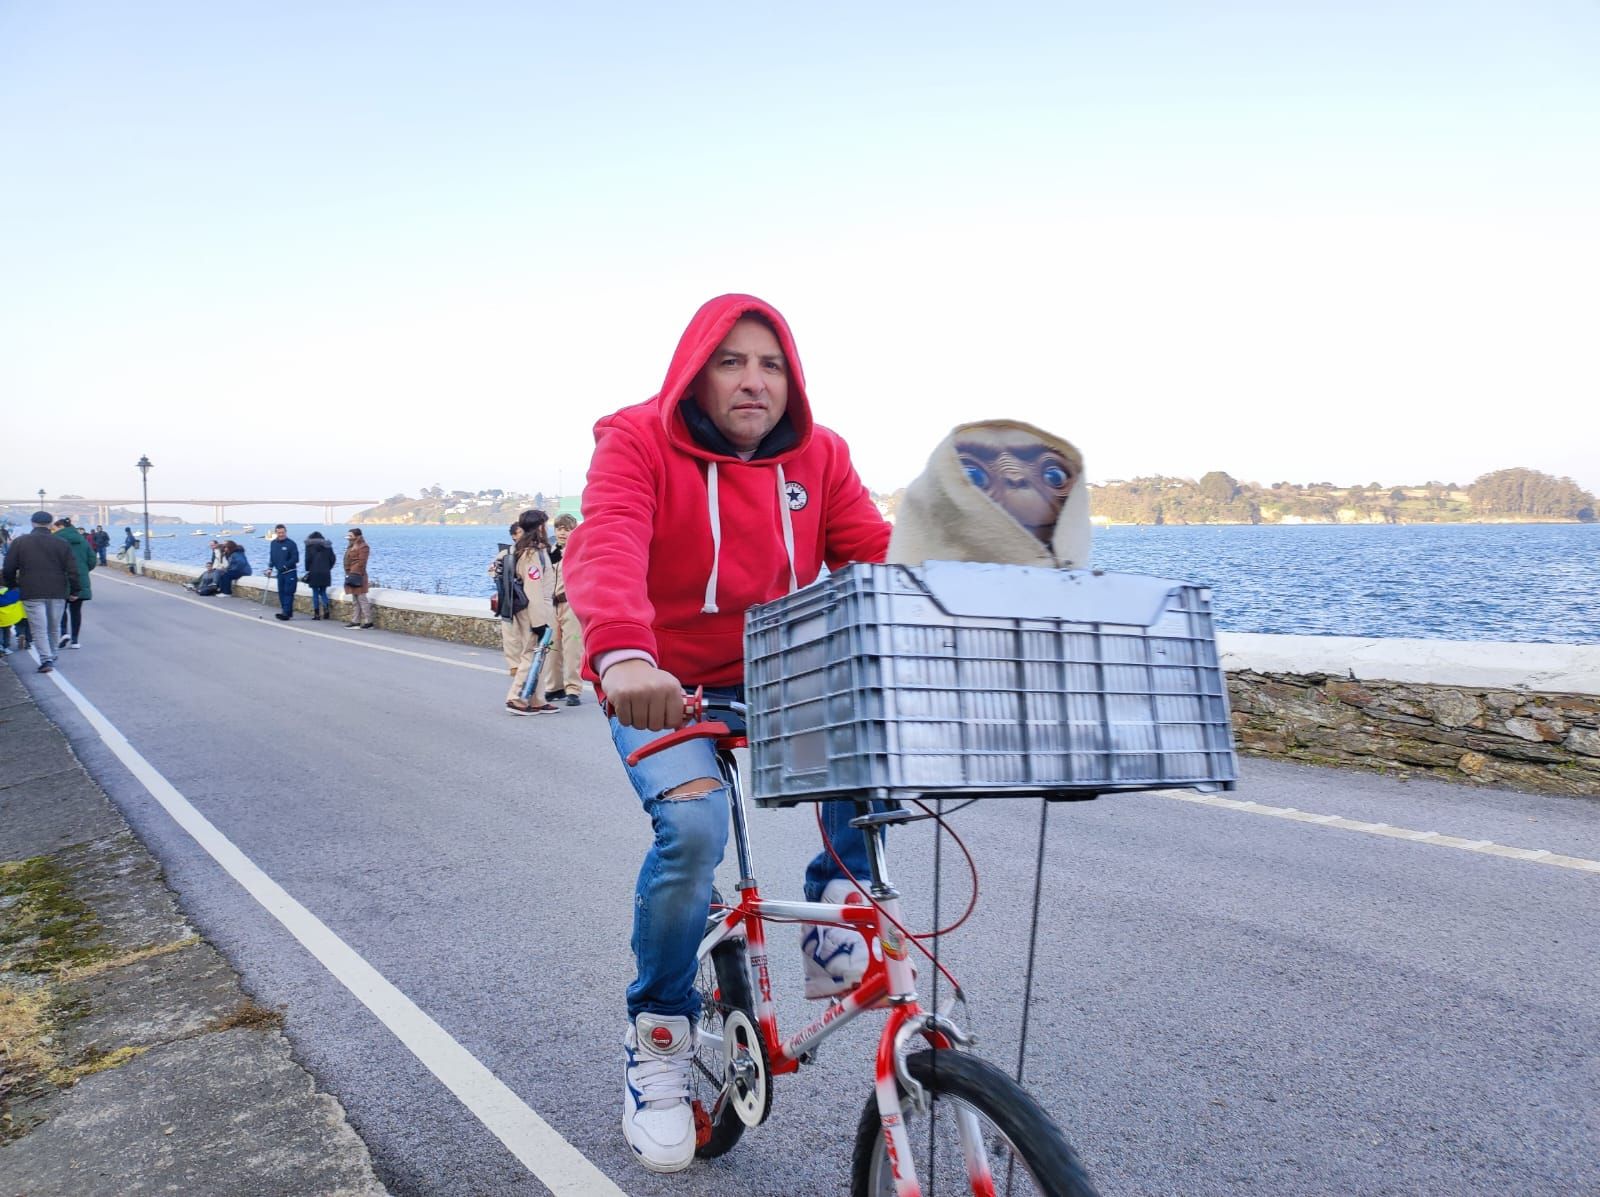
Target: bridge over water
(219, 507)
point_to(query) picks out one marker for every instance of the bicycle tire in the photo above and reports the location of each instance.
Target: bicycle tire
(729, 965)
(1052, 1168)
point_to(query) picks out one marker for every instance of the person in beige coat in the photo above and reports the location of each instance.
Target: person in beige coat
(563, 667)
(521, 630)
(356, 553)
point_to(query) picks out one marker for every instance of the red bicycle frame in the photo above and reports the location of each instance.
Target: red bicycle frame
(889, 981)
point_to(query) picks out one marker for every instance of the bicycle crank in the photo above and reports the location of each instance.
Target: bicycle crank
(744, 1063)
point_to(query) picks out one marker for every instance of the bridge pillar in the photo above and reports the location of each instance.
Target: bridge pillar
(327, 515)
(102, 514)
(220, 514)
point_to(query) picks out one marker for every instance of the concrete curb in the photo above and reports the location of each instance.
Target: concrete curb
(133, 1061)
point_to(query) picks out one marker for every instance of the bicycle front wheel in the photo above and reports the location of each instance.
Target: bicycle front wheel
(981, 1134)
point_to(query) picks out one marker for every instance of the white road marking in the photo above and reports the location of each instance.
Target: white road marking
(560, 1166)
(294, 627)
(1535, 855)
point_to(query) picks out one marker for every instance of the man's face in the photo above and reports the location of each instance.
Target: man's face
(562, 532)
(280, 533)
(744, 385)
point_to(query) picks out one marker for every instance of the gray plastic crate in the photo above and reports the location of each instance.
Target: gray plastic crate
(1005, 680)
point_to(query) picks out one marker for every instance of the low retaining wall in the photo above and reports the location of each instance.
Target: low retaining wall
(438, 616)
(1524, 716)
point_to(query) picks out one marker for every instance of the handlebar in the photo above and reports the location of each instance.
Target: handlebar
(695, 726)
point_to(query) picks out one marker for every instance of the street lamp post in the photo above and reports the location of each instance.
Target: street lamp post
(144, 465)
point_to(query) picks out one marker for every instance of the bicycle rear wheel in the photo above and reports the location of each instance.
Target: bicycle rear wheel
(724, 985)
(1026, 1152)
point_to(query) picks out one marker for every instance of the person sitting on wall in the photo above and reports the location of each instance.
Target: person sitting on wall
(238, 567)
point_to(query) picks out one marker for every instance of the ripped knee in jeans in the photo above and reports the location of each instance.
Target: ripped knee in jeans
(698, 788)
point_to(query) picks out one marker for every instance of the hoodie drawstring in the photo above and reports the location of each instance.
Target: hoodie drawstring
(714, 510)
(788, 529)
(716, 540)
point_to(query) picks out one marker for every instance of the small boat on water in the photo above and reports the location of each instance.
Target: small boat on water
(248, 528)
(198, 532)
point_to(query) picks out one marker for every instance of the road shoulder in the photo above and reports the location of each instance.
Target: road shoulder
(133, 1060)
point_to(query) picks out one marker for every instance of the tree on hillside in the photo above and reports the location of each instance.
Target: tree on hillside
(1521, 491)
(1219, 487)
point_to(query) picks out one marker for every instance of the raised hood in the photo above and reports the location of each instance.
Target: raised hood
(705, 332)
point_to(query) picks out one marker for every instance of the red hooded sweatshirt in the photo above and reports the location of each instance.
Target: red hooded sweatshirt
(678, 540)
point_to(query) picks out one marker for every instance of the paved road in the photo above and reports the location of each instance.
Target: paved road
(1231, 1003)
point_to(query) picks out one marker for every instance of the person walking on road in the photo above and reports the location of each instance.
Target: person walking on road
(238, 567)
(84, 553)
(718, 493)
(101, 539)
(44, 568)
(283, 559)
(356, 584)
(563, 671)
(524, 594)
(320, 560)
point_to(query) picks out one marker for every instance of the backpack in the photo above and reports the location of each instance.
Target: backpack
(11, 611)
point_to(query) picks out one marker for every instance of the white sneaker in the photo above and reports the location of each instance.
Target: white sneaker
(656, 1116)
(835, 958)
(65, 637)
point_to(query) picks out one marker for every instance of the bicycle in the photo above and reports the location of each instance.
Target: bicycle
(1004, 1142)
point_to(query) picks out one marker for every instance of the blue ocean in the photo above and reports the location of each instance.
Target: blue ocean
(1528, 582)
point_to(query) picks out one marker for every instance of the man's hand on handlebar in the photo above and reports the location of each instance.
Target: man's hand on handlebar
(644, 697)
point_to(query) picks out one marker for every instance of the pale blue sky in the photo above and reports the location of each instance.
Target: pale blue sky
(364, 247)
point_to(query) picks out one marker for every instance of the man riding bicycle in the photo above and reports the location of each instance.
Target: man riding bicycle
(715, 495)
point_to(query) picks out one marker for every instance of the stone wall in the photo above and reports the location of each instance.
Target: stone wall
(1526, 716)
(1516, 738)
(441, 617)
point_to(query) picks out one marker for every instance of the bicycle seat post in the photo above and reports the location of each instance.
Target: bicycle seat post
(729, 767)
(874, 825)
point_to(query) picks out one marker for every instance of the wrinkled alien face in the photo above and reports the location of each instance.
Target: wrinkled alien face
(1026, 477)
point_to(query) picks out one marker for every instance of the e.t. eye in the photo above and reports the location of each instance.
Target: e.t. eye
(1054, 475)
(976, 474)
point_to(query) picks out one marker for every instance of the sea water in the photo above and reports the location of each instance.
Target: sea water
(1528, 582)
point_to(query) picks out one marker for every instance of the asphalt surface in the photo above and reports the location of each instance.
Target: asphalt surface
(1225, 1002)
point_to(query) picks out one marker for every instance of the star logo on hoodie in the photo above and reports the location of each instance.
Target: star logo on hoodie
(797, 496)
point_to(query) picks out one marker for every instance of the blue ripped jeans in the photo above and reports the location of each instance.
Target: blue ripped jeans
(673, 896)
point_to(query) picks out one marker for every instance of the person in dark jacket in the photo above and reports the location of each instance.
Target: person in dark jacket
(320, 560)
(84, 553)
(238, 567)
(101, 540)
(283, 559)
(43, 568)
